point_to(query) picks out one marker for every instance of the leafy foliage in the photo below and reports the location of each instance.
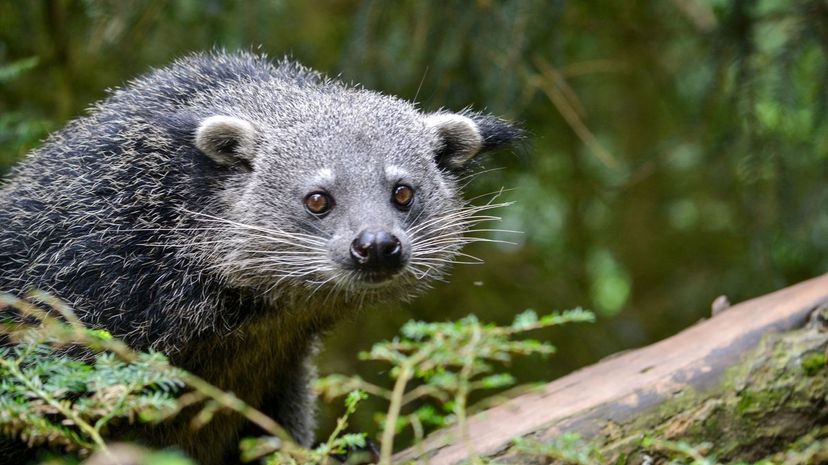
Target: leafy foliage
(448, 361)
(63, 385)
(56, 400)
(338, 444)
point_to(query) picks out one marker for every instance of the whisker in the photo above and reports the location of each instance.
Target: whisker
(493, 194)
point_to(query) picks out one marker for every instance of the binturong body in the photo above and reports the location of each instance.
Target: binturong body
(225, 210)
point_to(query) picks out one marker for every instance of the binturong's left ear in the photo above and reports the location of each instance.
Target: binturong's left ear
(463, 136)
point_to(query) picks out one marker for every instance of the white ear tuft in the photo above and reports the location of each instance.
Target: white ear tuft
(460, 136)
(226, 139)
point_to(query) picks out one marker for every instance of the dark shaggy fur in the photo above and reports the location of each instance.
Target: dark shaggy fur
(188, 235)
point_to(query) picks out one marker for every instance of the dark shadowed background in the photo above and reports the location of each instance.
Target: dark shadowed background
(677, 149)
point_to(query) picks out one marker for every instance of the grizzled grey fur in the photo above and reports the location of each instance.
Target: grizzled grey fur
(174, 216)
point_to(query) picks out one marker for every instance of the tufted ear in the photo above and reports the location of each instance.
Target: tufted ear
(226, 139)
(464, 136)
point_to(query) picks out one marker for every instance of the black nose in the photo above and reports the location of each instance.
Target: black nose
(376, 251)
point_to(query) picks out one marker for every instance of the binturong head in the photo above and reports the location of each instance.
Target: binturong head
(340, 192)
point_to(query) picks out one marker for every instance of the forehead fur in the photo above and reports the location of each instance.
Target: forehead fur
(291, 106)
(319, 118)
(394, 172)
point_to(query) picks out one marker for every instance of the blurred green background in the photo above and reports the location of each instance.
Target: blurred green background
(677, 149)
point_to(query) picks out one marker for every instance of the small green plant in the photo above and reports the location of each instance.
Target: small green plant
(681, 452)
(568, 448)
(50, 398)
(446, 362)
(338, 444)
(59, 401)
(63, 384)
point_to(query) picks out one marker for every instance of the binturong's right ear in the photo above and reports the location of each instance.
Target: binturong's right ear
(227, 140)
(463, 136)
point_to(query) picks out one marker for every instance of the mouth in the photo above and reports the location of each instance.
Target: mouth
(376, 279)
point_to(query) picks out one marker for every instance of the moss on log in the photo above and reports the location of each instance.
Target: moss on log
(776, 396)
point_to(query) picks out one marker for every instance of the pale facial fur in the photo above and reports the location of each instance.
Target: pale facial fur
(355, 148)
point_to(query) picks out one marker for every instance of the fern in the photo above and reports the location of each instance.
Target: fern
(49, 398)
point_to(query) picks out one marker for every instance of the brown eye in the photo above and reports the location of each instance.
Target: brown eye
(403, 195)
(318, 203)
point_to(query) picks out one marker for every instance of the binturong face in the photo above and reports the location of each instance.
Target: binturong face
(356, 196)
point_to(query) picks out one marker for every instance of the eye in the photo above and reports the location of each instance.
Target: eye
(318, 203)
(403, 196)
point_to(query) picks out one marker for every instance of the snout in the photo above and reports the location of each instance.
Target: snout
(377, 252)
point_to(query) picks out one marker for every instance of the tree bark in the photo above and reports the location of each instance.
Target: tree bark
(748, 381)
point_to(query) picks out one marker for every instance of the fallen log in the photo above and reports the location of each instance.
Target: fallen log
(746, 380)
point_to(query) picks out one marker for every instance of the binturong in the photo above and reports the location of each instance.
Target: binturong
(228, 209)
